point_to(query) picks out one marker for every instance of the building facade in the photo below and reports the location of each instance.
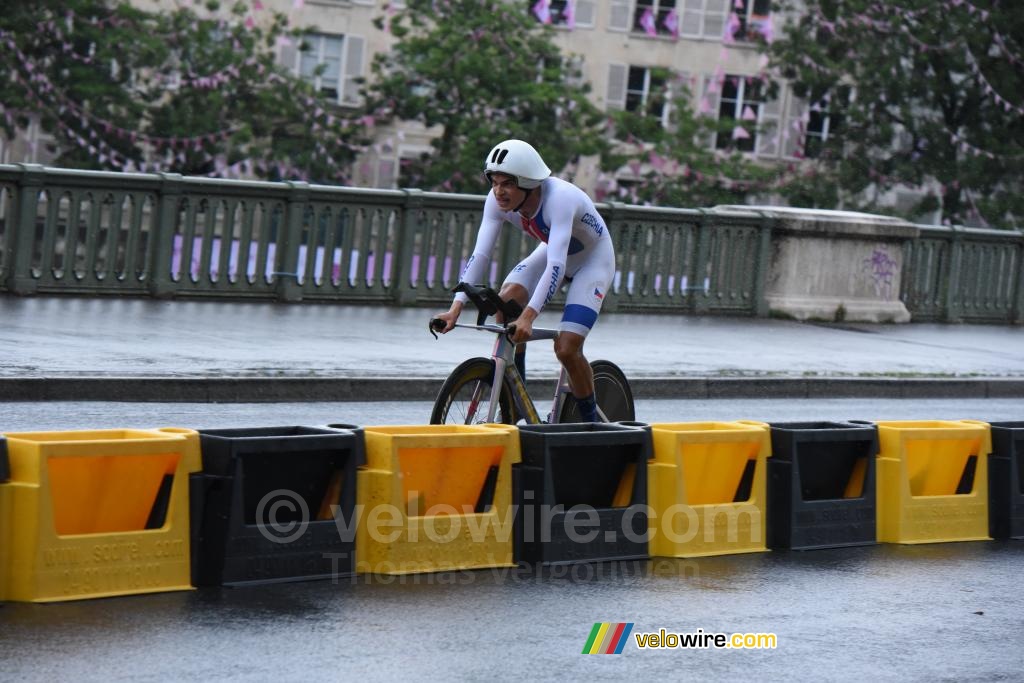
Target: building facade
(623, 48)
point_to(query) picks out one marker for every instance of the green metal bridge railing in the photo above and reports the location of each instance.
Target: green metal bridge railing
(165, 235)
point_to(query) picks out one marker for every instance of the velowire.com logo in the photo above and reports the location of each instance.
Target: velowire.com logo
(607, 638)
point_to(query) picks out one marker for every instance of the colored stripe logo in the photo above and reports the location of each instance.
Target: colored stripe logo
(607, 638)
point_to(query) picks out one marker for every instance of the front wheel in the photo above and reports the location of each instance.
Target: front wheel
(612, 392)
(465, 397)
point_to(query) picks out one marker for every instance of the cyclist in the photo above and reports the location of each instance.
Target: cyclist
(574, 246)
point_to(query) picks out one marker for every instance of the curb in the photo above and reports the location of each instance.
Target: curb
(342, 389)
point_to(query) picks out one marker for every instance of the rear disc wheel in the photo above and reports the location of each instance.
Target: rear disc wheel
(612, 392)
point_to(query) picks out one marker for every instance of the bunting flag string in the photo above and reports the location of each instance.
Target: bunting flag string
(998, 39)
(988, 87)
(966, 148)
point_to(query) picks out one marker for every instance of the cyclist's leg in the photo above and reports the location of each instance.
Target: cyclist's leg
(582, 305)
(520, 282)
(518, 286)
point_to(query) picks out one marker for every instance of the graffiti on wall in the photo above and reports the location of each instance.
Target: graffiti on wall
(882, 269)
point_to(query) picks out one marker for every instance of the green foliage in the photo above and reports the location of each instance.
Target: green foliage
(177, 90)
(480, 71)
(938, 102)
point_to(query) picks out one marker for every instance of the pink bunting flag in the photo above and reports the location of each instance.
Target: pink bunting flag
(542, 10)
(748, 114)
(647, 22)
(705, 105)
(257, 5)
(671, 22)
(570, 14)
(298, 4)
(731, 29)
(740, 133)
(739, 4)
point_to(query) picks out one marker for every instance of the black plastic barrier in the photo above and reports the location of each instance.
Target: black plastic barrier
(582, 493)
(5, 465)
(264, 506)
(1006, 481)
(821, 485)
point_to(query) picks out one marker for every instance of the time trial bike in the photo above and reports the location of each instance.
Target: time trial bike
(482, 390)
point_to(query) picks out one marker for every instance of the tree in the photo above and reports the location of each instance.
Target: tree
(678, 164)
(194, 92)
(921, 94)
(480, 71)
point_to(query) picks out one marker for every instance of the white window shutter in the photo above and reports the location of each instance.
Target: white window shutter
(714, 99)
(795, 128)
(691, 16)
(621, 16)
(350, 95)
(386, 173)
(287, 56)
(585, 11)
(715, 13)
(616, 96)
(767, 142)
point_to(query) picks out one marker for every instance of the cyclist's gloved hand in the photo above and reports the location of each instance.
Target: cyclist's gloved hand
(523, 327)
(444, 322)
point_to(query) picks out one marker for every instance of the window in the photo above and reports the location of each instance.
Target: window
(754, 19)
(649, 16)
(639, 89)
(645, 91)
(568, 13)
(561, 12)
(703, 18)
(574, 73)
(825, 119)
(741, 102)
(332, 63)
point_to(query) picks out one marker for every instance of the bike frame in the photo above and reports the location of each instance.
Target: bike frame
(503, 356)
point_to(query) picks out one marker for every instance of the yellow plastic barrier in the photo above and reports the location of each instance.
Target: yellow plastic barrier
(921, 467)
(436, 498)
(707, 488)
(90, 514)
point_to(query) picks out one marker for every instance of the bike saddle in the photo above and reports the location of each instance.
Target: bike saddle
(488, 302)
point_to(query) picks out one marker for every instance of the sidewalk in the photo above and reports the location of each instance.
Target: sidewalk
(62, 348)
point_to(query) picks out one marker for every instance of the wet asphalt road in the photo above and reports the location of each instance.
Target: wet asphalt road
(54, 415)
(61, 337)
(934, 612)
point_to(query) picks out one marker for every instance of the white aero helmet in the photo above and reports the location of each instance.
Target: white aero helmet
(518, 159)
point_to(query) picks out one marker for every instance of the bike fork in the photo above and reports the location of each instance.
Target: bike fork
(499, 372)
